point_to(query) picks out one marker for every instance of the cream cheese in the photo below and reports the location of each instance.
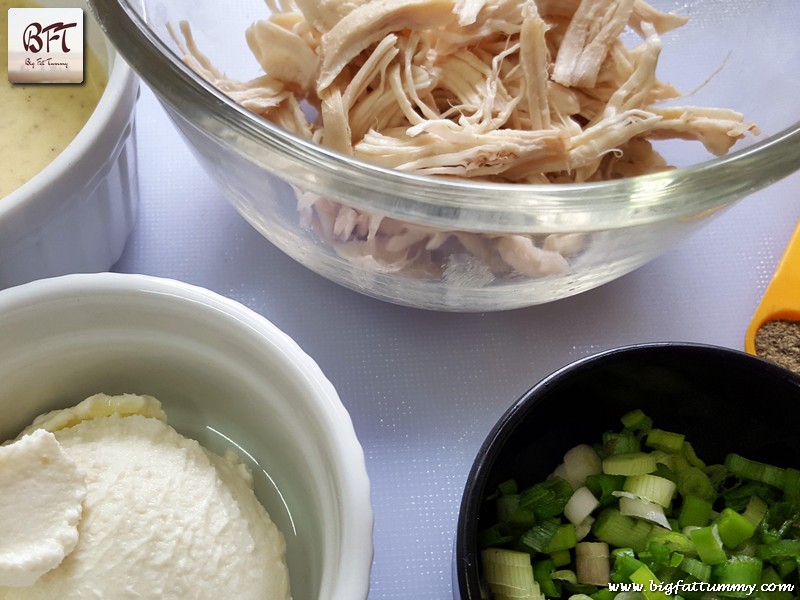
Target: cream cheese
(41, 501)
(162, 518)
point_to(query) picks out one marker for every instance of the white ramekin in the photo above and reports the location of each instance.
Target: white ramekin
(225, 376)
(77, 213)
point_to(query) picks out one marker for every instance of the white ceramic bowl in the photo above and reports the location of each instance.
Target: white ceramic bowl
(77, 213)
(225, 376)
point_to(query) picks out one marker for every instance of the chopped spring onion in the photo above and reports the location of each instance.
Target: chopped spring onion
(695, 482)
(546, 499)
(520, 519)
(791, 484)
(506, 506)
(676, 541)
(639, 506)
(657, 555)
(675, 559)
(649, 582)
(580, 505)
(509, 574)
(694, 511)
(563, 539)
(603, 486)
(667, 441)
(756, 510)
(734, 528)
(691, 456)
(537, 537)
(670, 462)
(584, 528)
(494, 536)
(636, 420)
(579, 462)
(696, 568)
(757, 471)
(630, 463)
(625, 564)
(631, 506)
(561, 558)
(780, 548)
(592, 563)
(565, 575)
(651, 488)
(741, 571)
(507, 487)
(620, 442)
(709, 545)
(543, 574)
(616, 529)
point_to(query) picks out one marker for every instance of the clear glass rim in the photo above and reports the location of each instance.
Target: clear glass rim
(680, 193)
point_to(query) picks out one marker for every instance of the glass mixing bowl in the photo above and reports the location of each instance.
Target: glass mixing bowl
(442, 249)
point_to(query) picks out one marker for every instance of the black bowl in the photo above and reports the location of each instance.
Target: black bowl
(722, 399)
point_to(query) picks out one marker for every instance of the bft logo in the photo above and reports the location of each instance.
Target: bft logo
(45, 45)
(37, 37)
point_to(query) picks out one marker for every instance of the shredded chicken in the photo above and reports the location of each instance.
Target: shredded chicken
(512, 91)
(586, 42)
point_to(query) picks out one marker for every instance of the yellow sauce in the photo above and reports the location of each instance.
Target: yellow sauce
(37, 121)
